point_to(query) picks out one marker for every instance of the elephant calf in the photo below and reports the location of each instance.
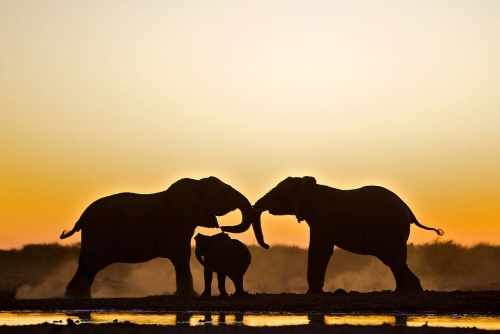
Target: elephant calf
(226, 257)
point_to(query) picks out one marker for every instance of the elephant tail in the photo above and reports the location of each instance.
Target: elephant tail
(439, 231)
(66, 234)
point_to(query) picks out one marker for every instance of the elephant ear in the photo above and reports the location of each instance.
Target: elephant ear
(300, 207)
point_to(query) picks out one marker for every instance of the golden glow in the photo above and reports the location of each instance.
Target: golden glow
(136, 318)
(98, 98)
(360, 320)
(33, 318)
(274, 320)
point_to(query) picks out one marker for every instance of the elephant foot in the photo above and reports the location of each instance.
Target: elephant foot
(185, 292)
(223, 294)
(412, 289)
(240, 293)
(314, 291)
(77, 294)
(206, 294)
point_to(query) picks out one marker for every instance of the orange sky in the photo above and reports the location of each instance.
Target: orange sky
(101, 97)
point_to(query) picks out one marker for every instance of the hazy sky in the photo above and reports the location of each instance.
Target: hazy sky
(100, 97)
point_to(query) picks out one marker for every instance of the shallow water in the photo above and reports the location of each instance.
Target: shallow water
(247, 319)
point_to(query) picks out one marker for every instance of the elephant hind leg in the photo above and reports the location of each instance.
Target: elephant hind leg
(79, 287)
(221, 281)
(74, 289)
(238, 284)
(406, 281)
(414, 281)
(399, 272)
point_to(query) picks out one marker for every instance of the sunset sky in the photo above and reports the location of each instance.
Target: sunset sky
(101, 97)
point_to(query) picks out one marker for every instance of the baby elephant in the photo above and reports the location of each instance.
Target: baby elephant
(225, 256)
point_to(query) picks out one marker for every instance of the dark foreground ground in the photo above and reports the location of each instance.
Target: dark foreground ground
(484, 302)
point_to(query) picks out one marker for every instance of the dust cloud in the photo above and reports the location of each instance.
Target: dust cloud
(43, 271)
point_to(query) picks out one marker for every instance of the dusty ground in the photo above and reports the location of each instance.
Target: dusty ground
(487, 302)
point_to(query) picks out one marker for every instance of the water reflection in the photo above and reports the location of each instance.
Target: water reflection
(360, 320)
(316, 318)
(252, 320)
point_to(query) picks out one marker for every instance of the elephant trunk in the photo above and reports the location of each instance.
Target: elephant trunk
(257, 229)
(250, 217)
(198, 256)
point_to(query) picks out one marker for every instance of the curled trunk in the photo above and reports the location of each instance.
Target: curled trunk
(250, 217)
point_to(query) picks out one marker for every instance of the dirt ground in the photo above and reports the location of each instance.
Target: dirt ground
(484, 302)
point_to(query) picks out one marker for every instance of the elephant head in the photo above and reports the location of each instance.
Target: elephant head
(201, 246)
(221, 199)
(203, 242)
(283, 199)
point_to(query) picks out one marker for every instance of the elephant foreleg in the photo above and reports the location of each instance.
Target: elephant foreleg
(320, 251)
(183, 277)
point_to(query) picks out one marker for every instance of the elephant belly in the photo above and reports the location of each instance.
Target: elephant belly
(371, 237)
(132, 245)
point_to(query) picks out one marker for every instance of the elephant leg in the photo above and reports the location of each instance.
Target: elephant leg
(80, 285)
(399, 272)
(238, 284)
(320, 251)
(221, 281)
(183, 277)
(406, 281)
(73, 288)
(208, 273)
(414, 281)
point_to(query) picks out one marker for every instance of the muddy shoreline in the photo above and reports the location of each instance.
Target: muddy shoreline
(484, 302)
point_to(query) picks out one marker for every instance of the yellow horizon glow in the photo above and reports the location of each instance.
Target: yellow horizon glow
(101, 97)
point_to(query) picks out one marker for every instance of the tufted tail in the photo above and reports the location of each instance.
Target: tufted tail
(439, 231)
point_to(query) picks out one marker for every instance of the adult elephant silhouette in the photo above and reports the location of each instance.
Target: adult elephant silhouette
(370, 220)
(135, 228)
